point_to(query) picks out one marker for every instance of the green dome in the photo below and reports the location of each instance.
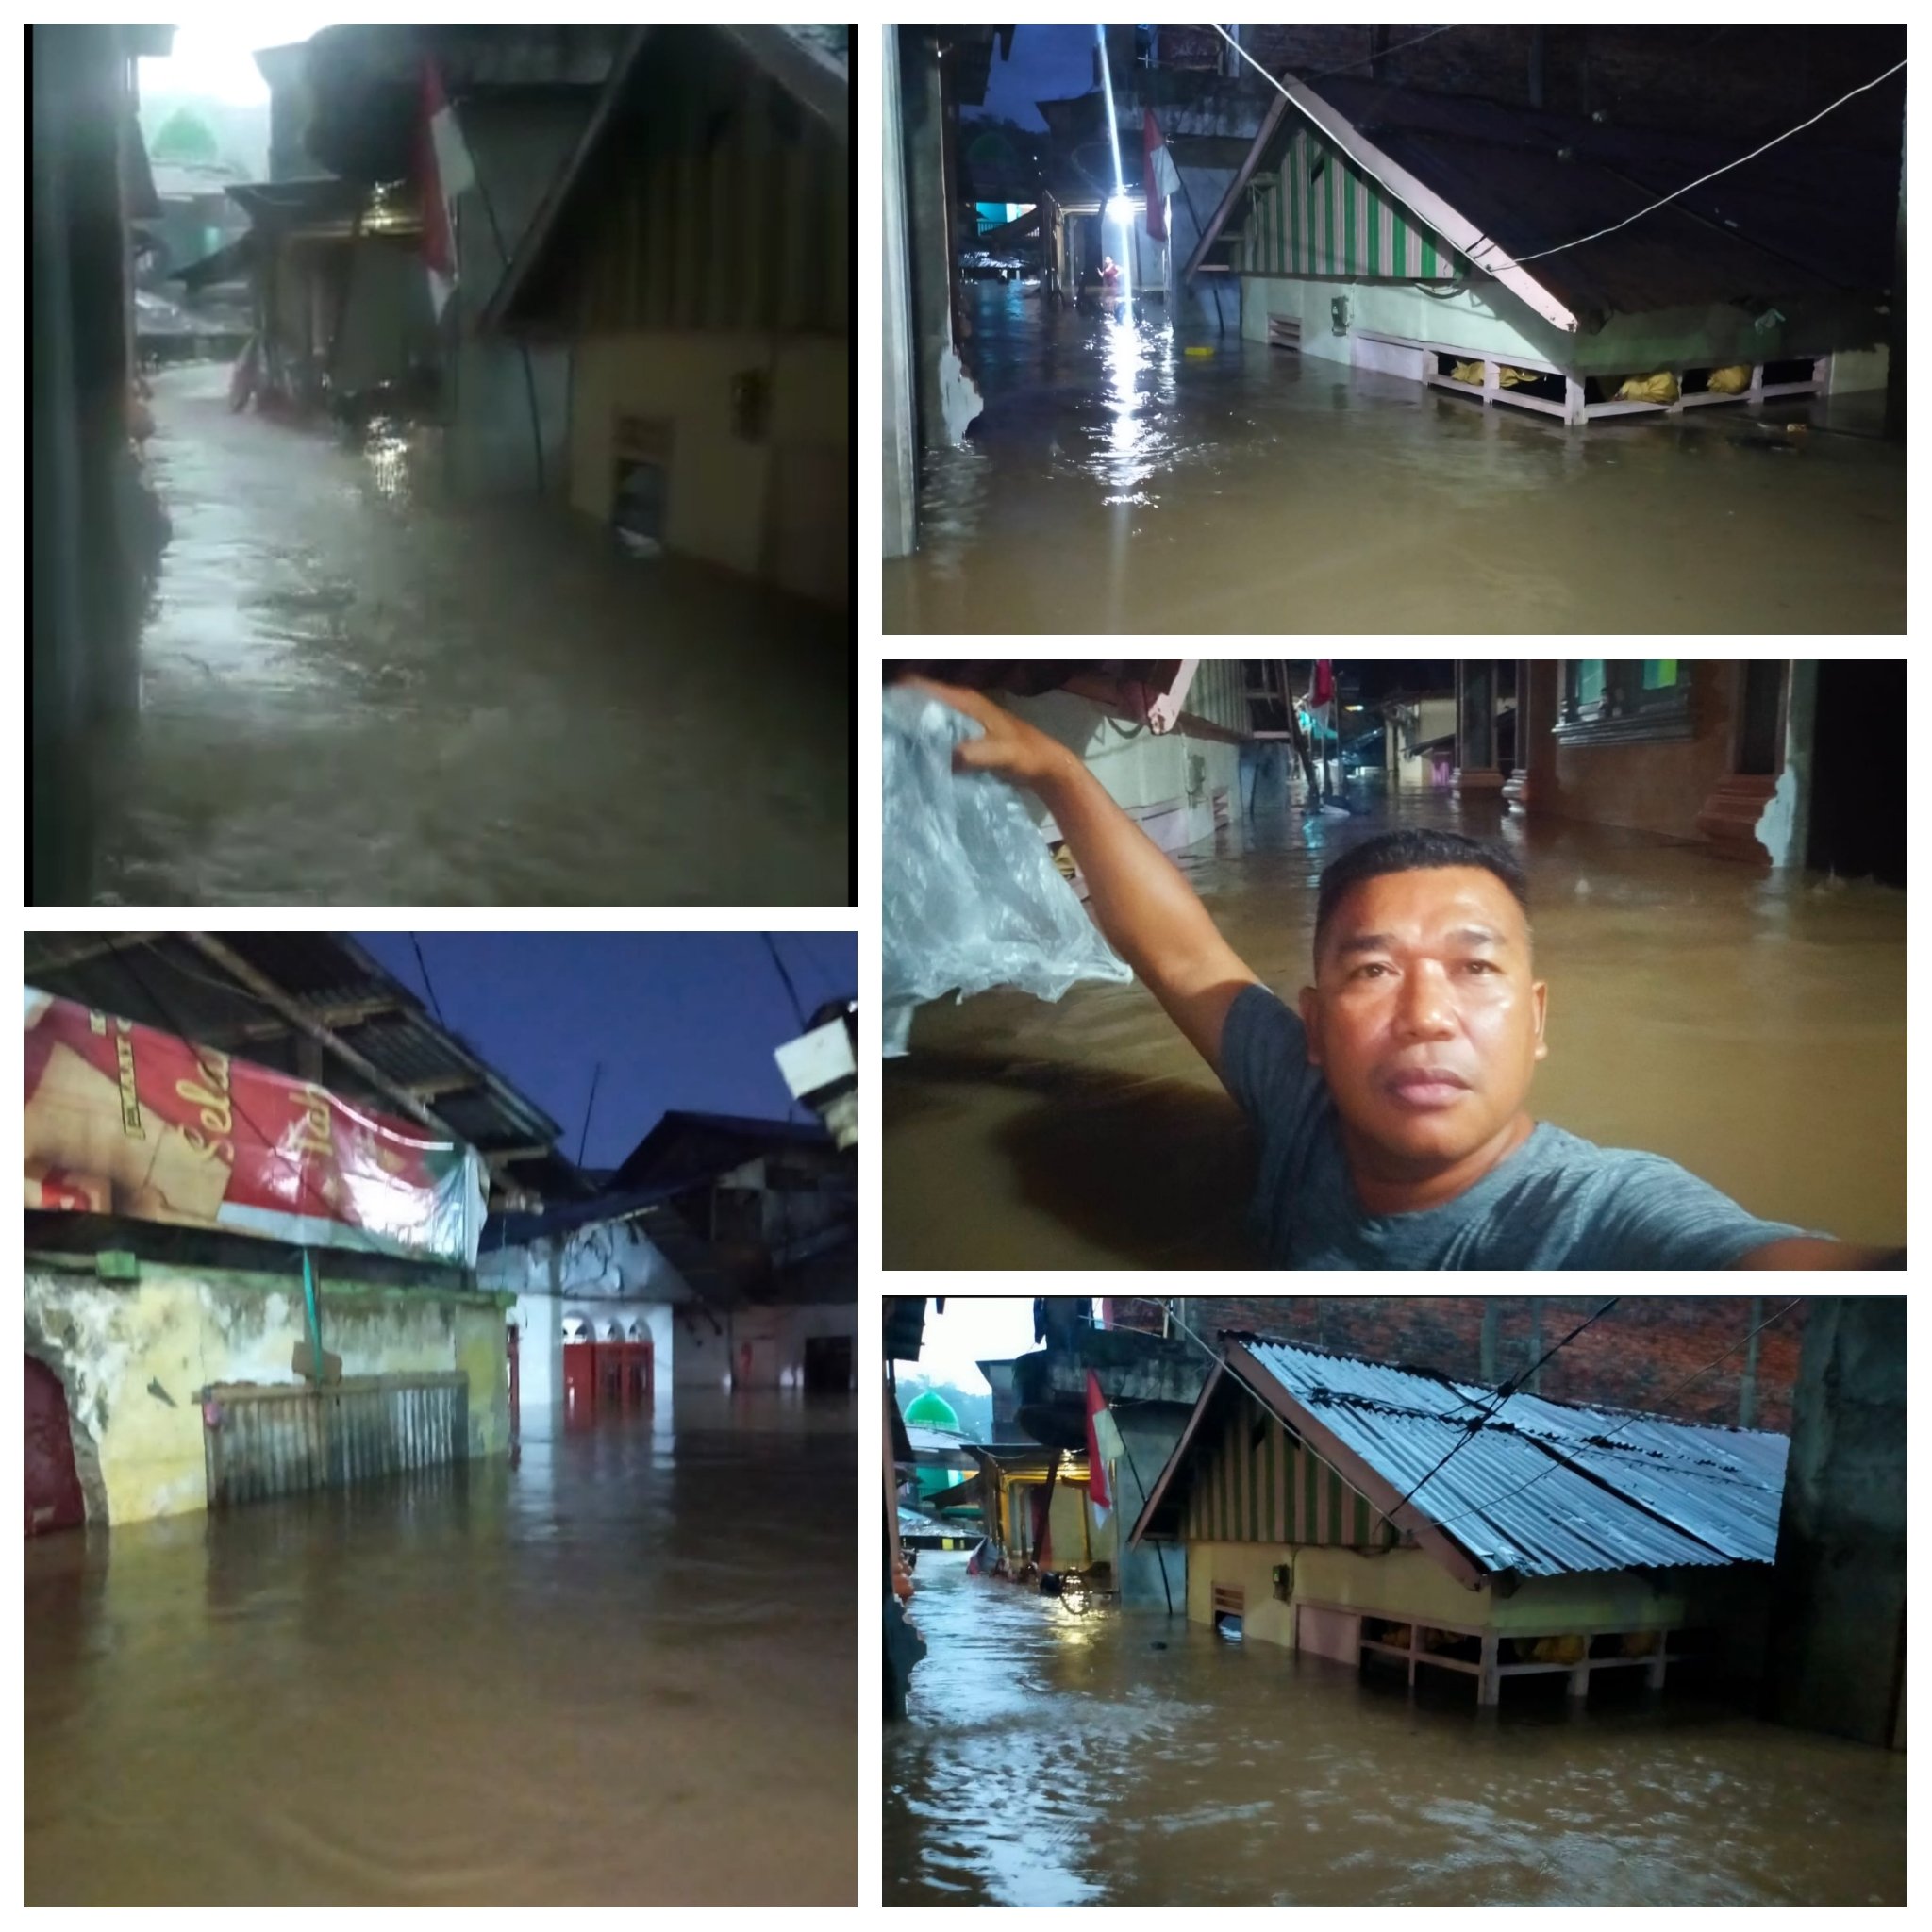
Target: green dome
(933, 1410)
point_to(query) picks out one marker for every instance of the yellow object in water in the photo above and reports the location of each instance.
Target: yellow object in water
(1660, 388)
(1732, 381)
(1197, 352)
(1514, 378)
(1467, 371)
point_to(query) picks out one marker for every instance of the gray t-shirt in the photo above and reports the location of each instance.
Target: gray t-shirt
(1556, 1202)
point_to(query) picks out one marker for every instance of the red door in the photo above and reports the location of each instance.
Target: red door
(53, 1489)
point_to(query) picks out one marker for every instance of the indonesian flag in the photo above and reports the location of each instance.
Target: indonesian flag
(1103, 1447)
(1163, 176)
(445, 170)
(1323, 692)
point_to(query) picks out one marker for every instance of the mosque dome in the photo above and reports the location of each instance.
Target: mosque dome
(933, 1410)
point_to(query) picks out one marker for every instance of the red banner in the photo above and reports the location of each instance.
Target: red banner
(124, 1119)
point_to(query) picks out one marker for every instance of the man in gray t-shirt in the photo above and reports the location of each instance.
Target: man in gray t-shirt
(1392, 1111)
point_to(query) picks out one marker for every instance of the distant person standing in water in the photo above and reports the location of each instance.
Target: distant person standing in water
(1110, 285)
(1390, 1101)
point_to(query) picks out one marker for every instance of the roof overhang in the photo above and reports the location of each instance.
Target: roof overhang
(1240, 1366)
(1413, 192)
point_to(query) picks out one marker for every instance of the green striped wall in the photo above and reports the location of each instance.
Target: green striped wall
(1320, 215)
(1272, 1491)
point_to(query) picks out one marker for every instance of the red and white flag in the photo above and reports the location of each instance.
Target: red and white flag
(1163, 176)
(446, 170)
(1103, 1448)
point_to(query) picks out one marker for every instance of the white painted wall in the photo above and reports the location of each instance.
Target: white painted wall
(1166, 780)
(706, 1355)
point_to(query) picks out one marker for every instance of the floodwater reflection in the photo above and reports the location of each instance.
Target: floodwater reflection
(1125, 478)
(1137, 1759)
(356, 692)
(583, 1679)
(1750, 1027)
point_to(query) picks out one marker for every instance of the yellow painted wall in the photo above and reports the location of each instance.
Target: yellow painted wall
(762, 508)
(1409, 1585)
(133, 1357)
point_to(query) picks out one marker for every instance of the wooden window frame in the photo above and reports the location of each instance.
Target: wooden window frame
(1626, 713)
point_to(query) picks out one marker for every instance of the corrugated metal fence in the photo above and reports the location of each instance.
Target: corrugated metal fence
(274, 1440)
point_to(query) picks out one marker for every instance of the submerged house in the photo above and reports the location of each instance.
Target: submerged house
(1557, 1537)
(1429, 236)
(693, 254)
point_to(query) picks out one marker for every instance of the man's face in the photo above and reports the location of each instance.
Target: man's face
(1424, 1017)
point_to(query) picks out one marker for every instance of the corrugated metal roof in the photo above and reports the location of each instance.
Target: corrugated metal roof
(1808, 218)
(1629, 1491)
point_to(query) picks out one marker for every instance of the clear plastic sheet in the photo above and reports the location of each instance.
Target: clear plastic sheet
(970, 896)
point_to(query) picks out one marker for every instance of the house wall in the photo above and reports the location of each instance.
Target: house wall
(1433, 717)
(1657, 786)
(710, 1342)
(1259, 1483)
(1168, 781)
(1319, 215)
(519, 147)
(1635, 1356)
(135, 1355)
(1410, 1586)
(778, 507)
(389, 318)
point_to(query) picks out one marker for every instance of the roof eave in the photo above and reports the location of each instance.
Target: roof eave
(1462, 234)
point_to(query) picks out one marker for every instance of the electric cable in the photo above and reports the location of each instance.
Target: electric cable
(1542, 254)
(1668, 1395)
(1486, 1415)
(791, 992)
(428, 984)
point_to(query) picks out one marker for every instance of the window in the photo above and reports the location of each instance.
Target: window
(1620, 701)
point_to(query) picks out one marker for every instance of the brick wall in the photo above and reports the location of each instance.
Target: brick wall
(1632, 1358)
(1740, 81)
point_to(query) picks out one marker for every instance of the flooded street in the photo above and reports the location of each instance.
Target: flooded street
(353, 694)
(1117, 482)
(591, 1678)
(1051, 1759)
(1750, 1027)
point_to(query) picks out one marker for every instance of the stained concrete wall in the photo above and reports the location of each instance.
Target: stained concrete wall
(778, 507)
(709, 1343)
(135, 1357)
(1837, 1651)
(900, 473)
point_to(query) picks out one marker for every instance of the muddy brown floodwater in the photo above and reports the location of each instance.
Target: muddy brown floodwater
(620, 1673)
(1138, 1759)
(1117, 483)
(1751, 1027)
(354, 693)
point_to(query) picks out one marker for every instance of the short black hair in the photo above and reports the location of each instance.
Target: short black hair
(1412, 850)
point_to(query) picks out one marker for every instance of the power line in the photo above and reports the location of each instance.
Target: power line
(1668, 1395)
(1516, 260)
(428, 984)
(771, 945)
(1484, 1416)
(1373, 53)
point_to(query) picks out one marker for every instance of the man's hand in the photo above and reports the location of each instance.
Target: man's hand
(1017, 751)
(1147, 910)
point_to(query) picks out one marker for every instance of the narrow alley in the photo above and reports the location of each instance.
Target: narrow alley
(1050, 1757)
(575, 1678)
(357, 693)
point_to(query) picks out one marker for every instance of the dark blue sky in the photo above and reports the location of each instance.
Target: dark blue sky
(1048, 63)
(679, 1019)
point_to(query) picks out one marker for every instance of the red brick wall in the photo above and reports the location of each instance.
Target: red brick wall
(1633, 1358)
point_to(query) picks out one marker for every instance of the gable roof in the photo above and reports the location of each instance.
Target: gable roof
(811, 65)
(1500, 183)
(687, 1149)
(1546, 1488)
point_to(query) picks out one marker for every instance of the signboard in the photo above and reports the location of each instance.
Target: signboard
(127, 1120)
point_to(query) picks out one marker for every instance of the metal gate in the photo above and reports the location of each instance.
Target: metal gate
(273, 1440)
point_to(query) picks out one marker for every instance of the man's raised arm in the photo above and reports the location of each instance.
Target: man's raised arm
(1150, 913)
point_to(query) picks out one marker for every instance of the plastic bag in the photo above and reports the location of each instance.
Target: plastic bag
(969, 895)
(1660, 388)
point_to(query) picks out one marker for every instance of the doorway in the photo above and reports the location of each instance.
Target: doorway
(54, 1499)
(1858, 770)
(829, 1363)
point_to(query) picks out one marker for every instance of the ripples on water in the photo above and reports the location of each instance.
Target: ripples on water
(1049, 1759)
(355, 692)
(587, 1679)
(1122, 478)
